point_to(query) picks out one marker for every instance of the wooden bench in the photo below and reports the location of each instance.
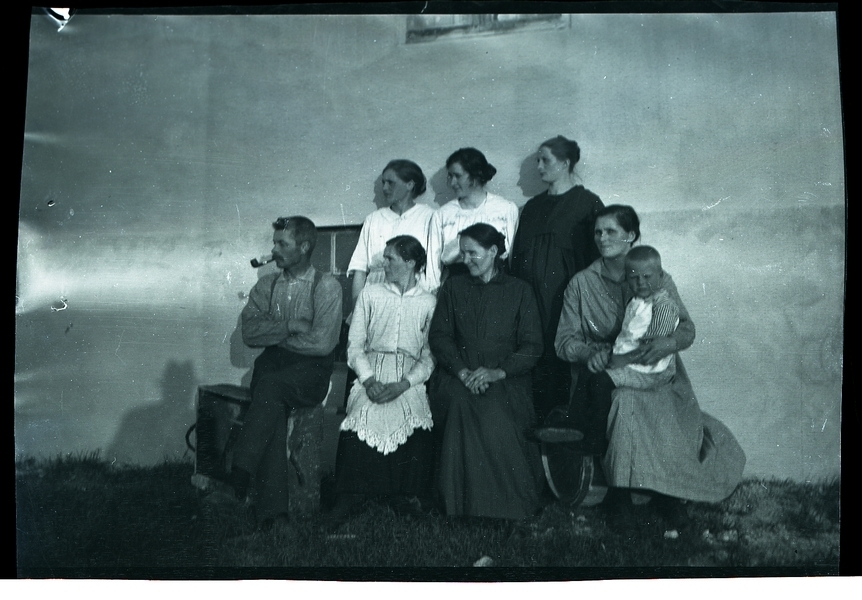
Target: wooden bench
(220, 411)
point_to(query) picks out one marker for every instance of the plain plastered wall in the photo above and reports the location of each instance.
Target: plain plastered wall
(158, 149)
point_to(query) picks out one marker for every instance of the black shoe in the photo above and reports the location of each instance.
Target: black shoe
(240, 480)
(616, 500)
(276, 522)
(620, 513)
(517, 528)
(672, 511)
(345, 506)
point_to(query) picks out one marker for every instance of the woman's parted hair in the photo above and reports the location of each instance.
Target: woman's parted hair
(625, 216)
(563, 149)
(409, 248)
(474, 163)
(407, 171)
(486, 236)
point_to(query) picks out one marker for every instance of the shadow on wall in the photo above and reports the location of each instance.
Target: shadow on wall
(379, 200)
(442, 192)
(241, 356)
(529, 180)
(149, 434)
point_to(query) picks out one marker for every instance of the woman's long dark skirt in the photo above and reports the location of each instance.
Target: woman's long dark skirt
(360, 469)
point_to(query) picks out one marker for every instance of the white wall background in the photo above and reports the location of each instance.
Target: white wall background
(158, 149)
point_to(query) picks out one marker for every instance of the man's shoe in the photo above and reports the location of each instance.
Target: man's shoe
(345, 506)
(240, 480)
(275, 522)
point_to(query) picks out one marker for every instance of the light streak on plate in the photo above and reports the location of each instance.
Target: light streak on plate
(99, 277)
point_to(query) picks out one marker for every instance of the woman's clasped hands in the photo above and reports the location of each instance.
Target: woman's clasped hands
(478, 380)
(381, 393)
(653, 349)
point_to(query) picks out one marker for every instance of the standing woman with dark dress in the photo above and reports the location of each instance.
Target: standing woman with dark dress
(554, 241)
(486, 337)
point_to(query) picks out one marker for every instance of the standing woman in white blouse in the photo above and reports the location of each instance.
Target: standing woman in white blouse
(385, 448)
(402, 182)
(468, 171)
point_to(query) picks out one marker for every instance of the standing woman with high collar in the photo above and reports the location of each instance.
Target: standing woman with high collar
(468, 171)
(554, 241)
(402, 181)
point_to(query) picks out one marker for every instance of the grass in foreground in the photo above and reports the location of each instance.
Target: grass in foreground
(82, 517)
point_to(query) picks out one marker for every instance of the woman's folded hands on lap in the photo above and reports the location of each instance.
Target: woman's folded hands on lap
(478, 380)
(381, 393)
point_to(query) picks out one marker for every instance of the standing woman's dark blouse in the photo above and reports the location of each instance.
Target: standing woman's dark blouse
(554, 241)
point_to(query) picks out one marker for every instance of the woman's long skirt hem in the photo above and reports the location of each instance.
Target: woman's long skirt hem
(360, 469)
(487, 467)
(660, 440)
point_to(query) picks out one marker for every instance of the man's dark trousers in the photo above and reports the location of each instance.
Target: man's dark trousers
(282, 380)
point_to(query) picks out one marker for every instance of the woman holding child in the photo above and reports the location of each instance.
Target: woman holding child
(658, 440)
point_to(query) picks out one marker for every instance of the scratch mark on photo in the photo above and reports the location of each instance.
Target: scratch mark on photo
(119, 343)
(717, 202)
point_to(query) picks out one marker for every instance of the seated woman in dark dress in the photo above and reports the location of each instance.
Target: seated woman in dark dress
(486, 336)
(385, 448)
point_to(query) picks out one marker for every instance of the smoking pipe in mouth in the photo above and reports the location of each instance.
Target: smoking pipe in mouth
(262, 260)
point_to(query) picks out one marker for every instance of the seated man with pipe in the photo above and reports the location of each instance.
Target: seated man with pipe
(295, 315)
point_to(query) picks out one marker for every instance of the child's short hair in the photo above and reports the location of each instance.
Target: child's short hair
(644, 254)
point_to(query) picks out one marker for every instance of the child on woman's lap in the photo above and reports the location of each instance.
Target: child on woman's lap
(651, 313)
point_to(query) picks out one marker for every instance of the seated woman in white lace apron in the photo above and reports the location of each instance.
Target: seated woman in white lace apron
(385, 448)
